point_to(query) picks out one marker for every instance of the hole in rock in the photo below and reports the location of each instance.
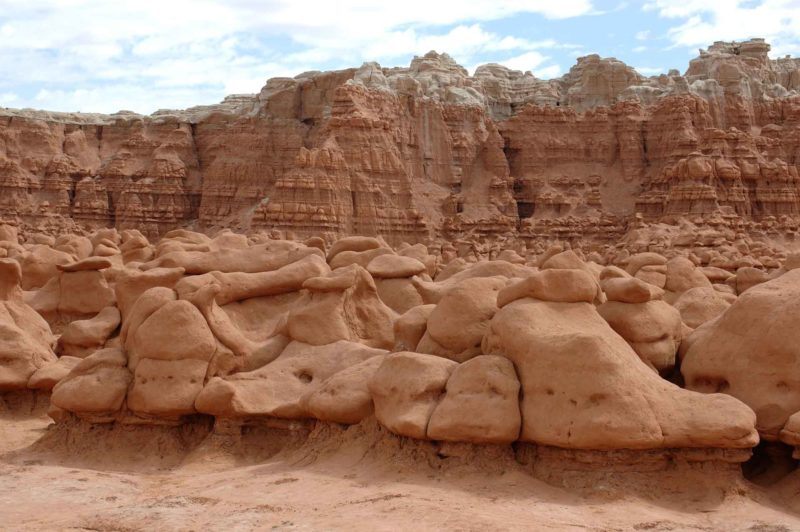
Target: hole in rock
(595, 398)
(525, 209)
(305, 377)
(771, 461)
(710, 385)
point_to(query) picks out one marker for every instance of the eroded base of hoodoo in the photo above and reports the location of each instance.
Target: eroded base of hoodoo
(662, 470)
(23, 403)
(221, 443)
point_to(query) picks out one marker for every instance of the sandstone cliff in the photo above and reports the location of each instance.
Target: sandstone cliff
(426, 151)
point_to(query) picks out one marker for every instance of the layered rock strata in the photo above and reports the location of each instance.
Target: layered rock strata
(428, 151)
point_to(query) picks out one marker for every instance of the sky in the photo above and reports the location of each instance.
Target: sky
(145, 55)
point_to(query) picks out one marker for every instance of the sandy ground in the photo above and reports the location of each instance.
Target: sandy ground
(341, 484)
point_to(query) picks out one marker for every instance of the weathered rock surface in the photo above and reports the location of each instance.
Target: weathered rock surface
(418, 152)
(751, 351)
(529, 251)
(26, 342)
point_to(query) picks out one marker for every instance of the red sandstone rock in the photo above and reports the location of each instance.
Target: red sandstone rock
(407, 154)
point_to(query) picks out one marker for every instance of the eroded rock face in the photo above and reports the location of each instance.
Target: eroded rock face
(508, 344)
(529, 251)
(481, 403)
(26, 342)
(751, 352)
(428, 150)
(584, 387)
(406, 390)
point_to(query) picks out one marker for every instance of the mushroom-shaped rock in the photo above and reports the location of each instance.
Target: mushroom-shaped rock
(699, 305)
(280, 388)
(85, 265)
(653, 329)
(399, 294)
(638, 261)
(133, 283)
(394, 267)
(630, 290)
(790, 434)
(560, 285)
(97, 385)
(392, 274)
(410, 327)
(166, 387)
(480, 405)
(752, 352)
(343, 305)
(583, 387)
(83, 337)
(456, 326)
(25, 338)
(175, 331)
(344, 396)
(406, 389)
(353, 243)
(682, 274)
(48, 376)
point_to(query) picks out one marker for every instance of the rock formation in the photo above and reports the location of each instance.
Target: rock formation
(556, 350)
(418, 153)
(600, 268)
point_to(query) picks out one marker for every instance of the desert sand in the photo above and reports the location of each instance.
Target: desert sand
(367, 484)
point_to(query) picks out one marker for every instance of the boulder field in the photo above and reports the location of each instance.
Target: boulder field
(558, 349)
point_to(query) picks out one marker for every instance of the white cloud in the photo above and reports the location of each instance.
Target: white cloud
(778, 21)
(643, 35)
(640, 49)
(7, 98)
(649, 71)
(112, 98)
(526, 61)
(535, 62)
(547, 72)
(56, 48)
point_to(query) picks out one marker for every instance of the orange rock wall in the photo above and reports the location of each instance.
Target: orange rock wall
(425, 152)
